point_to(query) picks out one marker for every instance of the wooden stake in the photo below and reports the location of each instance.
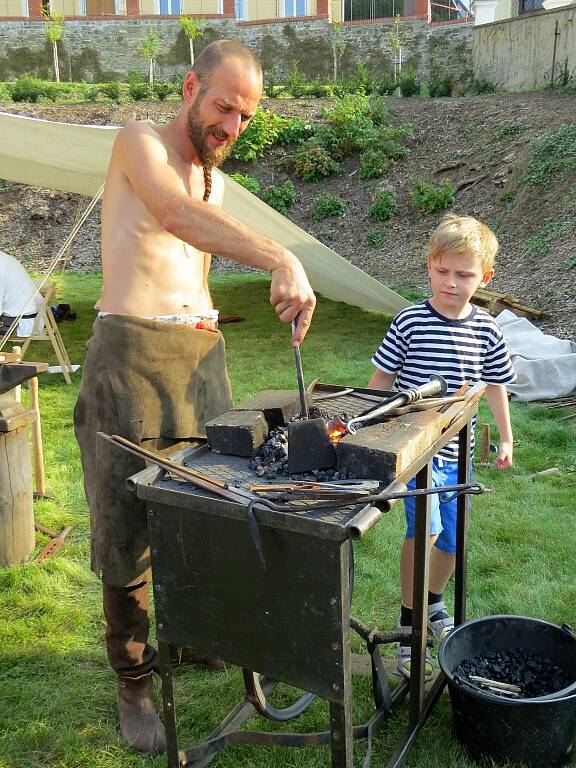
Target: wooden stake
(38, 451)
(485, 456)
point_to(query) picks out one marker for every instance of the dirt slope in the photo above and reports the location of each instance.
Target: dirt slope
(484, 138)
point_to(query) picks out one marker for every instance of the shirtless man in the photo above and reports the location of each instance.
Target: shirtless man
(151, 372)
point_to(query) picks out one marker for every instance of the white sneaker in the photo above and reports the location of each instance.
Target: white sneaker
(443, 624)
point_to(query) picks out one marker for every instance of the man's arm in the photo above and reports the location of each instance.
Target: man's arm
(498, 401)
(149, 167)
(381, 380)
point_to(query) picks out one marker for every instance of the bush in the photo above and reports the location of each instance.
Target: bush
(262, 132)
(314, 164)
(281, 197)
(364, 79)
(271, 83)
(28, 88)
(479, 85)
(91, 93)
(386, 85)
(440, 86)
(248, 182)
(376, 237)
(295, 81)
(351, 123)
(162, 90)
(430, 199)
(292, 130)
(373, 164)
(378, 110)
(327, 205)
(383, 205)
(5, 92)
(139, 91)
(112, 90)
(409, 85)
(318, 89)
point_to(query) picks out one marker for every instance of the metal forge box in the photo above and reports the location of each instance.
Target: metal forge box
(284, 615)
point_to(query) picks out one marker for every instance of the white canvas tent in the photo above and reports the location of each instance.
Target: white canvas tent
(74, 158)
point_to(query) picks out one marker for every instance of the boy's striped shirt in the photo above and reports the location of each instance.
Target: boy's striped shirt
(422, 342)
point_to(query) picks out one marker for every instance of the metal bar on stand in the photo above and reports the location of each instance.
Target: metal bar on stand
(462, 515)
(420, 596)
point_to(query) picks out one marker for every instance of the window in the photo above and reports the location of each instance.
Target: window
(526, 6)
(241, 10)
(295, 8)
(372, 9)
(168, 7)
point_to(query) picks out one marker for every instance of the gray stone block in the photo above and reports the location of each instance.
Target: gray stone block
(277, 405)
(239, 433)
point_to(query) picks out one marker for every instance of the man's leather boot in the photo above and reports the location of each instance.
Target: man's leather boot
(140, 726)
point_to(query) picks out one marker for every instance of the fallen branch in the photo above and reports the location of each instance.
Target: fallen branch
(449, 166)
(471, 182)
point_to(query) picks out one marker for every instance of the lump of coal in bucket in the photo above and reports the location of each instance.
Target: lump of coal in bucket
(534, 674)
(240, 433)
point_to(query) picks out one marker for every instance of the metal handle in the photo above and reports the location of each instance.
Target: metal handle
(300, 375)
(436, 386)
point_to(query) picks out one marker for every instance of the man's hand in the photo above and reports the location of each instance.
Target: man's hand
(293, 298)
(504, 458)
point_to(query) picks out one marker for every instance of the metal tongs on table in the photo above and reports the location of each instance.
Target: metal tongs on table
(310, 489)
(436, 386)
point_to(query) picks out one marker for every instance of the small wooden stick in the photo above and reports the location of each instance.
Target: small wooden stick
(495, 684)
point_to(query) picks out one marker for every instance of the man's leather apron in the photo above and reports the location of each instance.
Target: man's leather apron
(143, 380)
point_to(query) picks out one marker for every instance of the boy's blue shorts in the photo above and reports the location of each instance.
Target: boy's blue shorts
(442, 507)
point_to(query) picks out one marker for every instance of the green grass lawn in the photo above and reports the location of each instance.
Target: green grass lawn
(57, 694)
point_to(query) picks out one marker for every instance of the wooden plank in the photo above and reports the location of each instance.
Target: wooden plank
(494, 302)
(382, 451)
(17, 537)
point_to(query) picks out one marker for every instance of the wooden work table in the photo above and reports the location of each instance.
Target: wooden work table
(287, 614)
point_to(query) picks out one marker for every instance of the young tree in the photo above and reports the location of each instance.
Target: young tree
(53, 29)
(150, 48)
(398, 37)
(192, 28)
(338, 46)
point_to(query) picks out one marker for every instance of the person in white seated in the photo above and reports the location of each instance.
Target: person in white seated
(18, 297)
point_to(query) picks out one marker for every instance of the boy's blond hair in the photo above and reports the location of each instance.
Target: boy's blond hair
(464, 235)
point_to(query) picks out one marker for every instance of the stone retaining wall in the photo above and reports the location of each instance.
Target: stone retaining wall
(97, 51)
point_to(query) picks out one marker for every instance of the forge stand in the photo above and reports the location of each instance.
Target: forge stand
(289, 619)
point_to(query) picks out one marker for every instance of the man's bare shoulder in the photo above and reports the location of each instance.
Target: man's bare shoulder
(138, 135)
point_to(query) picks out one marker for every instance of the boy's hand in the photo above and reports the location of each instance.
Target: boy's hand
(504, 458)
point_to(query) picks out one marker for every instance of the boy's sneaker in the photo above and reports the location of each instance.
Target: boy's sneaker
(404, 659)
(440, 623)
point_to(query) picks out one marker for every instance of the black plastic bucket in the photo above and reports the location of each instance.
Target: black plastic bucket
(537, 732)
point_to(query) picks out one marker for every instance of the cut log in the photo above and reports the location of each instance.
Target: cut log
(494, 302)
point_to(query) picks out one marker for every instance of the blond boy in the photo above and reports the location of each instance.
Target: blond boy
(449, 336)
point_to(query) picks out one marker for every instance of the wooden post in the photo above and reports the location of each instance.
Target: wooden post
(38, 451)
(485, 455)
(17, 539)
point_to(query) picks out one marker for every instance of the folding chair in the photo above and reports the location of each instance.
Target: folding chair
(46, 329)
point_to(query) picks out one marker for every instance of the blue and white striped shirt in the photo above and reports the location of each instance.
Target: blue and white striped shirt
(421, 342)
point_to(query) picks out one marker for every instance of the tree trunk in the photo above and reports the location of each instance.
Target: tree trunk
(151, 72)
(334, 65)
(56, 67)
(191, 43)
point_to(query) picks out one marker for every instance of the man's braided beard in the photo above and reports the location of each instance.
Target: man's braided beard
(198, 134)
